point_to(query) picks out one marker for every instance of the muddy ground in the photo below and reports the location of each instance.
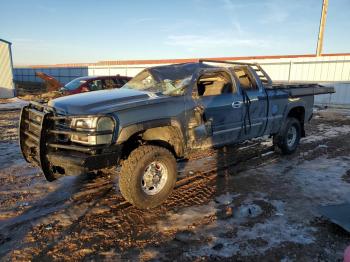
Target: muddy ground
(246, 204)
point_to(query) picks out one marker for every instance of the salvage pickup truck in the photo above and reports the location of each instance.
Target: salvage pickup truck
(159, 116)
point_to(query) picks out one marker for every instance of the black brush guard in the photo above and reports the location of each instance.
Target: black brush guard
(45, 142)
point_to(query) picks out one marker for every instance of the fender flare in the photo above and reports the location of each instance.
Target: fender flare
(290, 107)
(138, 128)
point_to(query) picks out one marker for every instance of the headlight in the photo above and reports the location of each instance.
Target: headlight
(95, 130)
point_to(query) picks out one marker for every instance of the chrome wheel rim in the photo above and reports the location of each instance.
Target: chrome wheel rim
(291, 136)
(154, 178)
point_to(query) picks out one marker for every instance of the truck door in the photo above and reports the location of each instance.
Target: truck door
(217, 93)
(255, 106)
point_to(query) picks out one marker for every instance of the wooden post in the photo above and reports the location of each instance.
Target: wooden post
(322, 26)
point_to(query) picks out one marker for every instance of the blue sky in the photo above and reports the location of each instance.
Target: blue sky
(68, 31)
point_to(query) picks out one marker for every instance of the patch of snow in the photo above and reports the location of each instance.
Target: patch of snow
(267, 143)
(272, 232)
(267, 153)
(321, 179)
(276, 231)
(325, 132)
(279, 206)
(181, 220)
(226, 199)
(246, 211)
(187, 236)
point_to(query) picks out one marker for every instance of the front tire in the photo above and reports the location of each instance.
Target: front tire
(289, 137)
(148, 176)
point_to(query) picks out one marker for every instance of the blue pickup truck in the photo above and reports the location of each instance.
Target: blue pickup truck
(159, 116)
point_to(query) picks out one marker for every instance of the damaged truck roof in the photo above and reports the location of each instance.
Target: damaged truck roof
(177, 71)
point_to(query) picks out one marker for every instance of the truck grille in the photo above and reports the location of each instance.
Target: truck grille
(42, 130)
(64, 126)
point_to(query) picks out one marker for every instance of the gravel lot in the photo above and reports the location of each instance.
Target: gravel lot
(249, 206)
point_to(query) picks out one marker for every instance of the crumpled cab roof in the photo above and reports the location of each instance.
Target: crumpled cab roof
(177, 71)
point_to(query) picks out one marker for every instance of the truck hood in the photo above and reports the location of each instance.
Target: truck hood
(104, 101)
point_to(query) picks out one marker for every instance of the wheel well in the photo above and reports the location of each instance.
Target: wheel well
(168, 136)
(298, 113)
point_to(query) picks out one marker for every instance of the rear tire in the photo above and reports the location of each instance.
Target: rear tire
(289, 137)
(148, 176)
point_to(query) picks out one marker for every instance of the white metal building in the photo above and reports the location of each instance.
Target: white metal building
(7, 89)
(328, 69)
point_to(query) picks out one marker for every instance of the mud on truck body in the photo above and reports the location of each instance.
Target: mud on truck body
(161, 115)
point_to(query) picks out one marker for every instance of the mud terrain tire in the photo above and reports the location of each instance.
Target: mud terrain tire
(133, 172)
(288, 139)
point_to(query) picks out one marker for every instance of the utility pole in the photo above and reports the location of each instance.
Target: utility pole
(322, 26)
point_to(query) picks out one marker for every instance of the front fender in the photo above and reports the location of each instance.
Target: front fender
(143, 127)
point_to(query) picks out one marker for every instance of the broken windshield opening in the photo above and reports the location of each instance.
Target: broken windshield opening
(74, 84)
(157, 83)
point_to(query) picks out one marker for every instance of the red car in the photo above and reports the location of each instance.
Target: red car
(93, 83)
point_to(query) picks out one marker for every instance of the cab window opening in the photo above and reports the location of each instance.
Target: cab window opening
(213, 84)
(245, 79)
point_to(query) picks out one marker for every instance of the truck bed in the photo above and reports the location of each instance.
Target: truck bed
(302, 89)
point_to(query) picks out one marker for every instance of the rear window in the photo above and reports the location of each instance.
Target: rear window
(245, 80)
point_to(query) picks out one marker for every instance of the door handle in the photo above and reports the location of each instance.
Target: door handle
(237, 104)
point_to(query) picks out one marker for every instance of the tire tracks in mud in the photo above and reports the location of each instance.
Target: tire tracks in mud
(194, 189)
